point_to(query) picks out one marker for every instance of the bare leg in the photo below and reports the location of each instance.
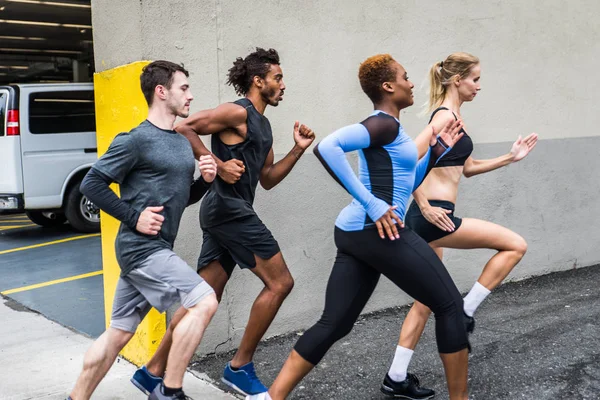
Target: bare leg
(472, 234)
(217, 278)
(349, 287)
(186, 338)
(278, 284)
(479, 234)
(456, 368)
(293, 371)
(158, 363)
(98, 360)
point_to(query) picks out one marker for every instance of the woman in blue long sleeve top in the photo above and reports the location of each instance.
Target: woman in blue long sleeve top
(371, 238)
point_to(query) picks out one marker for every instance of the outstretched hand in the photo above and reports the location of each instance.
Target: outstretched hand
(303, 135)
(450, 133)
(522, 147)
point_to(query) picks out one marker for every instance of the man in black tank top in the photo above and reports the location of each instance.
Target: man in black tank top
(233, 234)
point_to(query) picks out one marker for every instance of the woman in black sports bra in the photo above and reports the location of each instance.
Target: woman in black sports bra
(431, 214)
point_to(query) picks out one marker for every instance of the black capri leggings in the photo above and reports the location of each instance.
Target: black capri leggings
(410, 263)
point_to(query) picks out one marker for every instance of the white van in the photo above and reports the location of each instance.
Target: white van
(47, 145)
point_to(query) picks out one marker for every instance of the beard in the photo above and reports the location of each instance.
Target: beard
(270, 96)
(179, 109)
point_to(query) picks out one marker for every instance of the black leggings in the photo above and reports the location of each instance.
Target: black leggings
(410, 263)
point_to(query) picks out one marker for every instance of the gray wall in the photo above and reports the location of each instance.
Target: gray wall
(538, 75)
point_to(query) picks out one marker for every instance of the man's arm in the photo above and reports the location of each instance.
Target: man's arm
(208, 172)
(271, 174)
(95, 186)
(209, 122)
(114, 166)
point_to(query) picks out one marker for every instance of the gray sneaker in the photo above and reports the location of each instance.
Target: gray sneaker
(157, 394)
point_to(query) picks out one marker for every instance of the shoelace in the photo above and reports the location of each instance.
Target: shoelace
(252, 375)
(414, 379)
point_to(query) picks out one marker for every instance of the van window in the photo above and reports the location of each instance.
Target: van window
(3, 101)
(62, 112)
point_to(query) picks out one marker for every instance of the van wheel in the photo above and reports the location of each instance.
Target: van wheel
(83, 215)
(50, 220)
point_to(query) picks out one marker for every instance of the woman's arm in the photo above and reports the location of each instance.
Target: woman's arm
(331, 153)
(520, 149)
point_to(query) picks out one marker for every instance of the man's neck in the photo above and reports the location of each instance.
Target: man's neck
(161, 118)
(257, 101)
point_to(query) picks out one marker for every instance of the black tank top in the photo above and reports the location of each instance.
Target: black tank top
(460, 152)
(225, 202)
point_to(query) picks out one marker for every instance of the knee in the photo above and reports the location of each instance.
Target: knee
(452, 308)
(210, 304)
(331, 332)
(282, 286)
(207, 307)
(420, 310)
(520, 247)
(106, 347)
(118, 338)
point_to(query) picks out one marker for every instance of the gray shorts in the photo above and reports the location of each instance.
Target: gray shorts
(161, 281)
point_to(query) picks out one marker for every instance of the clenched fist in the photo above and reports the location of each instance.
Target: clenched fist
(208, 168)
(150, 221)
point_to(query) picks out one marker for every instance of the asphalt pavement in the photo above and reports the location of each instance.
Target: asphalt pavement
(535, 339)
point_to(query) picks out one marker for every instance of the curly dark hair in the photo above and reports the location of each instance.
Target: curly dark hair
(158, 73)
(373, 72)
(245, 69)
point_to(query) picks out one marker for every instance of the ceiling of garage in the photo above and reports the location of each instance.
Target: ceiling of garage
(45, 41)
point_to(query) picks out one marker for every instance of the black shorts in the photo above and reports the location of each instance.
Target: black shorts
(236, 242)
(428, 231)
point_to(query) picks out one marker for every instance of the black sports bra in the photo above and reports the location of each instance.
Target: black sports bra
(461, 150)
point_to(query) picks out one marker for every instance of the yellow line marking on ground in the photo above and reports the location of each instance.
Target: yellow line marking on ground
(10, 221)
(54, 282)
(7, 227)
(14, 223)
(34, 246)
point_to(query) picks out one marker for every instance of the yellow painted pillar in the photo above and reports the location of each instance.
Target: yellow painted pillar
(120, 106)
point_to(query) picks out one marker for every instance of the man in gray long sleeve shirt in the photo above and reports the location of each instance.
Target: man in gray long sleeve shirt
(154, 166)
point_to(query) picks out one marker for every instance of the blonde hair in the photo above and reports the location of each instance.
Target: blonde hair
(442, 73)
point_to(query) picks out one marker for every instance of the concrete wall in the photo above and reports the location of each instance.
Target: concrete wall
(538, 74)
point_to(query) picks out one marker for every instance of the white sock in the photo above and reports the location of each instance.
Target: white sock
(399, 366)
(475, 297)
(260, 396)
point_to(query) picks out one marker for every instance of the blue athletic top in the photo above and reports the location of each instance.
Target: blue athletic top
(388, 169)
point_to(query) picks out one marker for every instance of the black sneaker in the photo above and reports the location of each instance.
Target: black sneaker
(157, 394)
(469, 323)
(407, 389)
(470, 327)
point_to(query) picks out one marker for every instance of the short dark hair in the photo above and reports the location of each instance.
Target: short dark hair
(159, 73)
(245, 69)
(373, 72)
